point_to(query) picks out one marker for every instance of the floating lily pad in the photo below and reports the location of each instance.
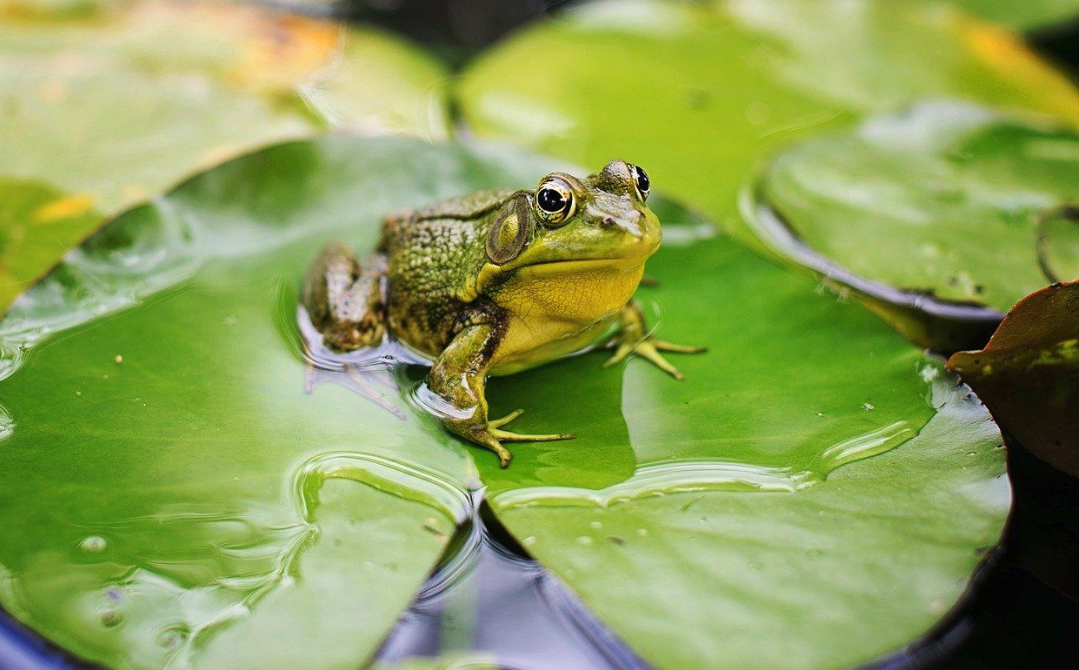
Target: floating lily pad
(169, 494)
(112, 105)
(943, 216)
(790, 488)
(1028, 374)
(700, 93)
(172, 495)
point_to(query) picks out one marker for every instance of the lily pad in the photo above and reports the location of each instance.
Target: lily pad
(37, 225)
(945, 214)
(1028, 374)
(169, 494)
(699, 93)
(172, 495)
(818, 487)
(112, 105)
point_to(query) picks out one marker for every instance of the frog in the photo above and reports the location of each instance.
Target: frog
(498, 282)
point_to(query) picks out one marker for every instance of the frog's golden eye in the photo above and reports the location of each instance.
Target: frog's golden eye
(555, 202)
(641, 181)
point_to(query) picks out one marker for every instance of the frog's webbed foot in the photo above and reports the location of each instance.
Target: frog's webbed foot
(649, 349)
(633, 339)
(491, 436)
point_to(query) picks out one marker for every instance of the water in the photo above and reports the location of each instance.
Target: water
(490, 600)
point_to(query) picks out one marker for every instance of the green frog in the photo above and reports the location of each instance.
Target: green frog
(498, 282)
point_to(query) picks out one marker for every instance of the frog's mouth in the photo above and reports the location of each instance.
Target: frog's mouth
(581, 265)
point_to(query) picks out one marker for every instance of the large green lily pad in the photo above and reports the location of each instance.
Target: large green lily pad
(172, 495)
(770, 492)
(169, 494)
(949, 203)
(700, 93)
(112, 105)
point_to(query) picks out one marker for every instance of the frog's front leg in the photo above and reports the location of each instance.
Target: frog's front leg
(458, 376)
(633, 338)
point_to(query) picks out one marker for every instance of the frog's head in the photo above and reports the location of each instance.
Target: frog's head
(568, 224)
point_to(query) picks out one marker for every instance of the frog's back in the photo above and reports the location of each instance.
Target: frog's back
(463, 208)
(432, 252)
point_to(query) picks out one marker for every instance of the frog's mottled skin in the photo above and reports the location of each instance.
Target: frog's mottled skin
(494, 283)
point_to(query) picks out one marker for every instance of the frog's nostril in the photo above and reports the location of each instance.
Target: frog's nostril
(608, 221)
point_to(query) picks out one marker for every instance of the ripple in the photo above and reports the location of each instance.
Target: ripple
(713, 475)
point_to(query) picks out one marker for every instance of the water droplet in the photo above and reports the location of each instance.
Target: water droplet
(171, 638)
(867, 407)
(584, 540)
(119, 358)
(110, 618)
(643, 532)
(596, 525)
(94, 544)
(529, 541)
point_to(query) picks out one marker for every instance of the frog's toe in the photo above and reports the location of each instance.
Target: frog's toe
(485, 439)
(664, 345)
(649, 349)
(493, 428)
(507, 436)
(624, 349)
(497, 423)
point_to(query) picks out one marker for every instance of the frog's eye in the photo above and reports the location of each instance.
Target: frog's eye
(641, 181)
(555, 202)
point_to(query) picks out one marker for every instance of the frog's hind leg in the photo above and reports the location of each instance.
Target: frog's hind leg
(344, 300)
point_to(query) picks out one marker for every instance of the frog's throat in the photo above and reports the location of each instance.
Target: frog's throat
(491, 275)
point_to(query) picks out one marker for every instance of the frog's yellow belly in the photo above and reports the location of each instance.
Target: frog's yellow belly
(555, 312)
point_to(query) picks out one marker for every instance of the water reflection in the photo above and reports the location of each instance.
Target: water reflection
(491, 599)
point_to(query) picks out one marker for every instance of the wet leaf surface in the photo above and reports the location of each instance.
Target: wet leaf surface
(1028, 374)
(173, 495)
(168, 492)
(947, 202)
(700, 93)
(774, 489)
(37, 225)
(114, 104)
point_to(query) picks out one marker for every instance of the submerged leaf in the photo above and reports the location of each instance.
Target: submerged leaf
(1028, 374)
(942, 216)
